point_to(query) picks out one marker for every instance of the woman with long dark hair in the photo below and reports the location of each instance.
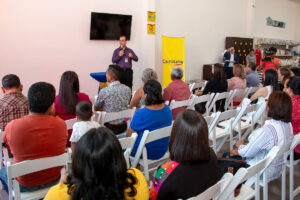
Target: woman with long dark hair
(283, 75)
(270, 85)
(99, 172)
(217, 84)
(68, 97)
(193, 167)
(153, 116)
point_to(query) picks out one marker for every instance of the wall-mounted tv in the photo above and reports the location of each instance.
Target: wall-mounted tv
(106, 26)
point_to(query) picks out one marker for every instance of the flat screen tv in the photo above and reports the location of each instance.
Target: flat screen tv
(106, 26)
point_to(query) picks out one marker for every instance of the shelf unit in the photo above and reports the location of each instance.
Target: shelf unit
(285, 49)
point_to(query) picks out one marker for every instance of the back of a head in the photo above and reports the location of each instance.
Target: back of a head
(149, 74)
(218, 71)
(41, 96)
(286, 73)
(10, 81)
(252, 66)
(296, 71)
(294, 84)
(114, 71)
(84, 111)
(98, 166)
(189, 138)
(177, 72)
(280, 106)
(154, 93)
(238, 71)
(272, 50)
(68, 90)
(271, 78)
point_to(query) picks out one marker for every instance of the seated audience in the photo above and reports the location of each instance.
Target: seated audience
(295, 71)
(138, 100)
(177, 90)
(237, 82)
(83, 114)
(154, 115)
(293, 89)
(252, 78)
(283, 75)
(99, 171)
(276, 132)
(37, 135)
(114, 98)
(193, 167)
(14, 104)
(67, 98)
(217, 84)
(270, 85)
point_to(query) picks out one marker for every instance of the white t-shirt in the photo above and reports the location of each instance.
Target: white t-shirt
(231, 59)
(80, 128)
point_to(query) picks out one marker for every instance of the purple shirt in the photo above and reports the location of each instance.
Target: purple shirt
(124, 61)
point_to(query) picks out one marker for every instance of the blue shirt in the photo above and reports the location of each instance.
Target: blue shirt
(146, 119)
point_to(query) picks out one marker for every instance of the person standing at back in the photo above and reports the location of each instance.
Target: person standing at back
(37, 135)
(177, 90)
(14, 104)
(123, 57)
(230, 58)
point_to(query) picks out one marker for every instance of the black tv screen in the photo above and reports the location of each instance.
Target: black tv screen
(106, 26)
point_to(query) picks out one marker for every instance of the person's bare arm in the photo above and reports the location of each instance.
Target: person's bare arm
(261, 92)
(73, 145)
(136, 98)
(129, 132)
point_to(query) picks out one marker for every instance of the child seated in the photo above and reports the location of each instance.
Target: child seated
(83, 114)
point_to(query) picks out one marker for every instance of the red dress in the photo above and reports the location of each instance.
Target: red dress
(258, 56)
(296, 118)
(61, 111)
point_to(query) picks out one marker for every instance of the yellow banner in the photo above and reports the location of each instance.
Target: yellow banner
(151, 29)
(173, 55)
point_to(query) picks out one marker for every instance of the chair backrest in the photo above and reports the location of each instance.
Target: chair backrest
(214, 119)
(216, 189)
(127, 143)
(108, 117)
(177, 104)
(295, 142)
(203, 98)
(241, 111)
(197, 85)
(150, 137)
(227, 115)
(244, 174)
(70, 123)
(235, 93)
(217, 97)
(30, 166)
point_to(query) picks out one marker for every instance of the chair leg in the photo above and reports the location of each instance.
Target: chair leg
(257, 188)
(291, 175)
(283, 181)
(265, 181)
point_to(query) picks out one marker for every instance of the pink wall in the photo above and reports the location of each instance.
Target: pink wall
(39, 40)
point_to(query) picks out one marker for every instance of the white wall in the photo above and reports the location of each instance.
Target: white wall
(39, 40)
(280, 10)
(204, 24)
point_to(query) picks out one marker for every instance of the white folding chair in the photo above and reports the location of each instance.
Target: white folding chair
(202, 99)
(220, 96)
(27, 167)
(142, 150)
(127, 143)
(235, 93)
(185, 103)
(212, 122)
(215, 190)
(200, 85)
(243, 174)
(70, 123)
(290, 164)
(104, 117)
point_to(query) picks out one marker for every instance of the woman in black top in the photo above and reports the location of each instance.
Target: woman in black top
(193, 167)
(217, 84)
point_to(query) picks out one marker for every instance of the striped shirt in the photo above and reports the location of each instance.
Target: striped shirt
(261, 141)
(13, 105)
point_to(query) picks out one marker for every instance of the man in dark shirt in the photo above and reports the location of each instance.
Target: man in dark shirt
(123, 57)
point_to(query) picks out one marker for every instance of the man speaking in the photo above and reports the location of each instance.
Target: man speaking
(123, 57)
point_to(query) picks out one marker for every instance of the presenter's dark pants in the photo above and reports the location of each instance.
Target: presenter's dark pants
(229, 72)
(126, 77)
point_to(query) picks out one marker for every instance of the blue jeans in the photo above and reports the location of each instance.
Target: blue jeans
(4, 181)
